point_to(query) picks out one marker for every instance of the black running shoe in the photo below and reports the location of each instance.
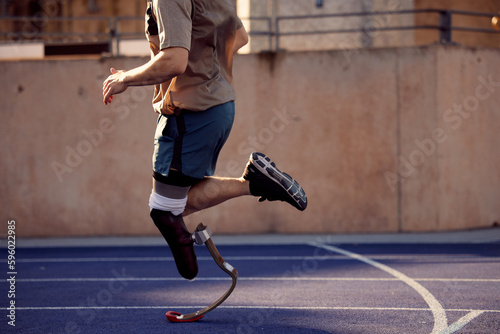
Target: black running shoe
(269, 183)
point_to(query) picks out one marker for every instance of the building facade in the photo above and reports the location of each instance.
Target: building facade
(274, 25)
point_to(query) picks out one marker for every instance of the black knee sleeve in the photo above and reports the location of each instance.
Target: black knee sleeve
(179, 240)
(176, 178)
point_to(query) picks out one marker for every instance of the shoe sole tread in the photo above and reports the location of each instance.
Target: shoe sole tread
(264, 165)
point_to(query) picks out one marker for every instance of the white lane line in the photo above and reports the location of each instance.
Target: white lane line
(474, 313)
(460, 323)
(440, 320)
(260, 258)
(475, 280)
(348, 279)
(155, 259)
(96, 279)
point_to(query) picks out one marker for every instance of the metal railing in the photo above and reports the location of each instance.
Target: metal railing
(445, 25)
(41, 29)
(34, 29)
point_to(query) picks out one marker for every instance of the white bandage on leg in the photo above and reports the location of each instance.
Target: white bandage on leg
(159, 202)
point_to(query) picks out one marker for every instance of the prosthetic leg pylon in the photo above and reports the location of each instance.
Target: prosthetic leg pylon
(201, 236)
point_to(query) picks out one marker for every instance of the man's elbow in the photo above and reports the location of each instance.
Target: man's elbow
(177, 69)
(179, 62)
(174, 60)
(240, 41)
(244, 39)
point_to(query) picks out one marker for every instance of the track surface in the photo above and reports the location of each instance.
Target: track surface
(313, 287)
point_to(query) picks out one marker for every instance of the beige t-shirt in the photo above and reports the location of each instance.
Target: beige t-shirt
(207, 29)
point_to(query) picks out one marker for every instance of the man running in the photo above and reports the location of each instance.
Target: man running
(192, 45)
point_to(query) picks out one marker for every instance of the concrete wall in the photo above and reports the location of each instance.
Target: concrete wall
(382, 140)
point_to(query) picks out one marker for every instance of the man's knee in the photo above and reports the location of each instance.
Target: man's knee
(170, 192)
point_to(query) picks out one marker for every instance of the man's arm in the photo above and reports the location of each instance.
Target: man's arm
(241, 39)
(167, 64)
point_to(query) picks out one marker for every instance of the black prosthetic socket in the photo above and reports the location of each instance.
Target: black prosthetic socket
(179, 240)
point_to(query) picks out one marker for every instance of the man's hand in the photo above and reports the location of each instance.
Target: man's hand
(167, 64)
(113, 85)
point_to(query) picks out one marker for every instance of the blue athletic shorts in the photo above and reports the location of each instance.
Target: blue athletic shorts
(191, 141)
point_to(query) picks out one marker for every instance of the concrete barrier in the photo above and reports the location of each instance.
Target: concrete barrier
(22, 51)
(382, 140)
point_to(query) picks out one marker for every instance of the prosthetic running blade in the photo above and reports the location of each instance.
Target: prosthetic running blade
(202, 236)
